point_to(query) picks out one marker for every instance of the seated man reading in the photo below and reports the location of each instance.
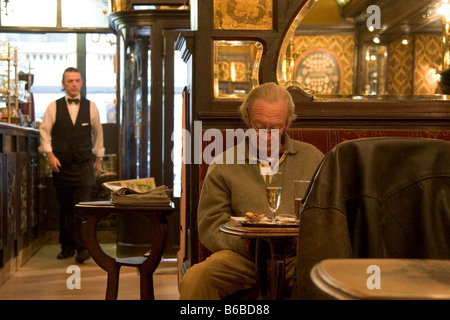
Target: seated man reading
(232, 188)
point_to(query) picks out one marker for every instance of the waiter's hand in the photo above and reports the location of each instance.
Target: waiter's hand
(53, 161)
(98, 166)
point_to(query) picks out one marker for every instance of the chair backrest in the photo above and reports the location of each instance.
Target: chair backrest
(376, 198)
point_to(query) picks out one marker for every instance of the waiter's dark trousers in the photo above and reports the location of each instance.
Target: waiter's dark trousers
(69, 222)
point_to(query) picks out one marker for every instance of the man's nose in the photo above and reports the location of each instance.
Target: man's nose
(269, 134)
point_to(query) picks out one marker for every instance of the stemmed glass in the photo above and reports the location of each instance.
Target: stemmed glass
(274, 189)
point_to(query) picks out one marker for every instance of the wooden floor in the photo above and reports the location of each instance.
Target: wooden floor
(43, 277)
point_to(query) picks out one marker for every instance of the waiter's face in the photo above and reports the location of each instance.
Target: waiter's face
(72, 83)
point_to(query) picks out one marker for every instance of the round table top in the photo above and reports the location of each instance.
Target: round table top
(98, 206)
(383, 278)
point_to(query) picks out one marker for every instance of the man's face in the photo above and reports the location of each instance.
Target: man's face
(72, 83)
(268, 116)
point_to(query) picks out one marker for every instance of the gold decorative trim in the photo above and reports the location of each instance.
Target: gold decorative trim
(243, 14)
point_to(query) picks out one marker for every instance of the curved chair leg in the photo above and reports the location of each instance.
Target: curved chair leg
(146, 283)
(112, 286)
(153, 260)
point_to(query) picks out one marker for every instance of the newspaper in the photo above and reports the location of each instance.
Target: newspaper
(140, 191)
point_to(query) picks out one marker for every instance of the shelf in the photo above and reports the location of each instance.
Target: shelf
(13, 96)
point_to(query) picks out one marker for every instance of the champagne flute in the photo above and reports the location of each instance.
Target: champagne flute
(300, 187)
(274, 189)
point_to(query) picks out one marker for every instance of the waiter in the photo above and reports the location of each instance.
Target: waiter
(72, 137)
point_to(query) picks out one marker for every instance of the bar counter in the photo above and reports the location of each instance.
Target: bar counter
(21, 233)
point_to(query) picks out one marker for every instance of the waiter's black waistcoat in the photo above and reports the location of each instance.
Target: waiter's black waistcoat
(72, 144)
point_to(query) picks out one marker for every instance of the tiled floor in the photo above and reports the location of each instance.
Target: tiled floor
(43, 277)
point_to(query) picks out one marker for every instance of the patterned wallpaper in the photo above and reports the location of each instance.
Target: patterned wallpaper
(412, 67)
(428, 60)
(414, 72)
(343, 47)
(401, 59)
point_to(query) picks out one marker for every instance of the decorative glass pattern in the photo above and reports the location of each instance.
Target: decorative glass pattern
(243, 14)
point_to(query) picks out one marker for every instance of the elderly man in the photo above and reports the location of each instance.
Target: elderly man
(236, 188)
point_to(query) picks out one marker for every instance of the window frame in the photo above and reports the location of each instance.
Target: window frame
(56, 29)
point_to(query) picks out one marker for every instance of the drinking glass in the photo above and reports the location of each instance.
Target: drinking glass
(300, 187)
(274, 189)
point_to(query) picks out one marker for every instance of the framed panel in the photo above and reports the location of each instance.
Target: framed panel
(243, 14)
(24, 192)
(11, 178)
(34, 183)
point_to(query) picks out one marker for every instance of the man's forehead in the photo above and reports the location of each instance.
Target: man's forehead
(265, 103)
(269, 109)
(72, 75)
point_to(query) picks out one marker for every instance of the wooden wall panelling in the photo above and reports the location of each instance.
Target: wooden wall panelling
(23, 201)
(34, 183)
(18, 179)
(189, 195)
(11, 197)
(11, 212)
(185, 44)
(24, 184)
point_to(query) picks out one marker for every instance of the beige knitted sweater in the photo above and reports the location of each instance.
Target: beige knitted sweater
(233, 189)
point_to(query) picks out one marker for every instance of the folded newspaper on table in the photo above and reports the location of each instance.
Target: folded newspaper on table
(138, 191)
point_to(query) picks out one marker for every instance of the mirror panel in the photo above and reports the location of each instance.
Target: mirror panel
(375, 70)
(236, 67)
(332, 49)
(324, 63)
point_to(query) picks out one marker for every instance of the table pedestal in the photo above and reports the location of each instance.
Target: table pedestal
(271, 254)
(147, 264)
(273, 246)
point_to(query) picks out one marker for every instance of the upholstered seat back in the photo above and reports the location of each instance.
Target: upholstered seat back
(376, 198)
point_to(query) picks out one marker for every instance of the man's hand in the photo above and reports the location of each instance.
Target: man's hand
(53, 161)
(98, 166)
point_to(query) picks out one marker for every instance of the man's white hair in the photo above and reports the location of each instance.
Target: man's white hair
(269, 92)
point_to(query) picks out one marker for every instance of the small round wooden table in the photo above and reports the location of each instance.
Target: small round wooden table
(383, 279)
(147, 264)
(273, 244)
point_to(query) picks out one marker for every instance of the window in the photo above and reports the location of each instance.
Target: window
(100, 74)
(28, 13)
(46, 13)
(50, 54)
(85, 13)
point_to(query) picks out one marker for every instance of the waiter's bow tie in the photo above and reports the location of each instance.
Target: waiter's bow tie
(76, 101)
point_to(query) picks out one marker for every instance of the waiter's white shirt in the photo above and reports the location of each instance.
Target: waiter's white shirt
(49, 118)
